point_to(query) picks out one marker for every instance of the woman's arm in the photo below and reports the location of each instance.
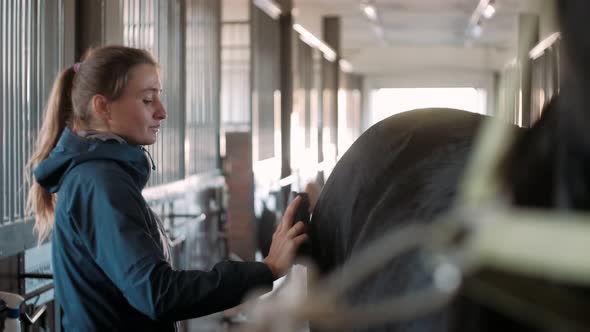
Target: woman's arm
(113, 222)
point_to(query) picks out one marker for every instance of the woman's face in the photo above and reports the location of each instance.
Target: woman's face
(137, 114)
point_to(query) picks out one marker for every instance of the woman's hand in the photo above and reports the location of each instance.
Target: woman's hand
(285, 241)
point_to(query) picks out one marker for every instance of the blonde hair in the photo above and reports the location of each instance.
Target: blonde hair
(105, 71)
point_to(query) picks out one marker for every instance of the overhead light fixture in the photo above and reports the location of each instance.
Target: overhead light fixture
(370, 10)
(485, 10)
(489, 11)
(476, 30)
(270, 7)
(345, 66)
(314, 41)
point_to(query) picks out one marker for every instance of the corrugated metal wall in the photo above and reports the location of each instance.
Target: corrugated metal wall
(188, 143)
(31, 40)
(235, 76)
(202, 85)
(140, 19)
(172, 138)
(31, 30)
(265, 84)
(155, 26)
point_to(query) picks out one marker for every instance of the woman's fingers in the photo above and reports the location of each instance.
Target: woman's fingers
(297, 229)
(287, 220)
(285, 241)
(298, 240)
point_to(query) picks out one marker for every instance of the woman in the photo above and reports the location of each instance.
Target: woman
(109, 250)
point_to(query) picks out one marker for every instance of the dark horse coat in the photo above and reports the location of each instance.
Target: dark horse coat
(407, 168)
(404, 169)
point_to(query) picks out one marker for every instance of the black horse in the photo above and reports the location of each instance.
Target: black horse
(407, 169)
(402, 170)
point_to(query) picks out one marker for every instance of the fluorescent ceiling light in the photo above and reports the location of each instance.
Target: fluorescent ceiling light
(270, 7)
(489, 11)
(314, 41)
(345, 66)
(370, 11)
(545, 44)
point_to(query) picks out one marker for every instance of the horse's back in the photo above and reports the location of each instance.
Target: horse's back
(404, 169)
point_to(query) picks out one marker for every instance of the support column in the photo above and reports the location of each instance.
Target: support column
(69, 26)
(528, 37)
(93, 29)
(286, 84)
(331, 79)
(89, 15)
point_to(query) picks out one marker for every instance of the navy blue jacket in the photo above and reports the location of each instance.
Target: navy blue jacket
(110, 270)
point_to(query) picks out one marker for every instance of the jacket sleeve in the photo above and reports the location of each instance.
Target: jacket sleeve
(115, 226)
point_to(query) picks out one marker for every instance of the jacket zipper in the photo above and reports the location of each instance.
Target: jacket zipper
(150, 156)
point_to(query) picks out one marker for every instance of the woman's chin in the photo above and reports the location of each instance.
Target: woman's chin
(144, 140)
(150, 141)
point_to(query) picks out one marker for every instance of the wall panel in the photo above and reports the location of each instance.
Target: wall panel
(31, 56)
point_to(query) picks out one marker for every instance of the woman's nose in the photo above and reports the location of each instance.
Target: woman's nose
(160, 113)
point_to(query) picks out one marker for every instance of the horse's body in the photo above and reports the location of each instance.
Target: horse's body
(407, 169)
(404, 169)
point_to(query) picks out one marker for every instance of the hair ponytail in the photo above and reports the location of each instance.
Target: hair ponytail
(58, 115)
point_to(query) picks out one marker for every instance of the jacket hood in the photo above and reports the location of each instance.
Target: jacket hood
(72, 150)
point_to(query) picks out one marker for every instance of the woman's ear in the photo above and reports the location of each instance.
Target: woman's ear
(100, 107)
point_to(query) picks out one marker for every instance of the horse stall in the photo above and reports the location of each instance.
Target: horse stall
(187, 188)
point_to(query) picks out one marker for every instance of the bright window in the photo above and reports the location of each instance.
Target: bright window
(387, 102)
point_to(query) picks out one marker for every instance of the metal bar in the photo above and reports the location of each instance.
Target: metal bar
(3, 97)
(27, 130)
(217, 85)
(180, 13)
(13, 106)
(21, 124)
(236, 22)
(126, 29)
(135, 23)
(35, 276)
(39, 64)
(38, 291)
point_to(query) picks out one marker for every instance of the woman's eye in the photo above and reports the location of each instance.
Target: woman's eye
(147, 101)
